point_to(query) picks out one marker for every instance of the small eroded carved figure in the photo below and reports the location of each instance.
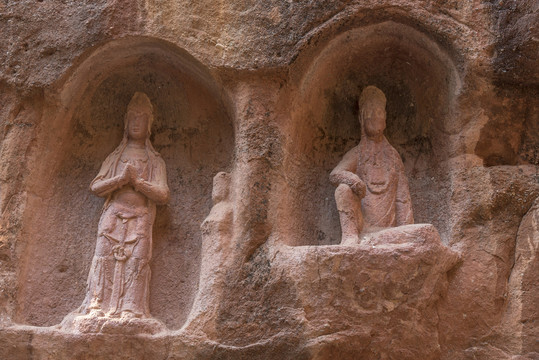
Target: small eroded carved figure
(133, 180)
(217, 231)
(219, 221)
(372, 189)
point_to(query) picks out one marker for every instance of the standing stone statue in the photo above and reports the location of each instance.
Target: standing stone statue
(133, 180)
(217, 232)
(372, 189)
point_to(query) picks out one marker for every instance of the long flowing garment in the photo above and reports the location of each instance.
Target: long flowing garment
(119, 276)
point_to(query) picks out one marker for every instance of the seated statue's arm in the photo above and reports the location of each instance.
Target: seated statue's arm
(345, 173)
(156, 190)
(404, 210)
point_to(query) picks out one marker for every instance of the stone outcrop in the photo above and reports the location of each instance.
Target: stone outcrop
(264, 95)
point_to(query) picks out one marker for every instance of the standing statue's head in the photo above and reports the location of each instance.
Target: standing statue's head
(221, 187)
(139, 117)
(372, 112)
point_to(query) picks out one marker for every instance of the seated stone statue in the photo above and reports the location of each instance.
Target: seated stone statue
(372, 189)
(133, 180)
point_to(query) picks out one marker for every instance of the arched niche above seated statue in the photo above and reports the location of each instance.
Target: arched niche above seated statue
(420, 82)
(388, 273)
(193, 133)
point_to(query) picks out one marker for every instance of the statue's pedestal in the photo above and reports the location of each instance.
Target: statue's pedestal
(112, 325)
(407, 235)
(382, 292)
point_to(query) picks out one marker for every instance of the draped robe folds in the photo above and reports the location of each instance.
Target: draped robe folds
(120, 271)
(387, 200)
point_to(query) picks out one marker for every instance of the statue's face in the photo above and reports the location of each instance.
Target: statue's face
(137, 124)
(374, 119)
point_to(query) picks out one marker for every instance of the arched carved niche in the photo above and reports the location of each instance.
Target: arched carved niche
(193, 133)
(421, 84)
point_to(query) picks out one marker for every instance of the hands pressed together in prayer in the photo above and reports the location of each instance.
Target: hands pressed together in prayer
(129, 175)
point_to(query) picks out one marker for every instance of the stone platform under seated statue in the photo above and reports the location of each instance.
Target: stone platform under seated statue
(384, 289)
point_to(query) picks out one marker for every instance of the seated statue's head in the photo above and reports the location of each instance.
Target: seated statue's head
(372, 112)
(139, 117)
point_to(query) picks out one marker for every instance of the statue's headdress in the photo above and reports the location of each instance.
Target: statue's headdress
(141, 102)
(372, 93)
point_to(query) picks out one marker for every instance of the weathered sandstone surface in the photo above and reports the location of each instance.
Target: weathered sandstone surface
(267, 91)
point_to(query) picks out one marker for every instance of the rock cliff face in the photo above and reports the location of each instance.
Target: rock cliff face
(267, 91)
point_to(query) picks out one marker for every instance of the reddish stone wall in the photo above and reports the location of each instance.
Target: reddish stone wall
(267, 91)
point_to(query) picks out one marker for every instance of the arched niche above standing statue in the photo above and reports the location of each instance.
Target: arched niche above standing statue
(193, 133)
